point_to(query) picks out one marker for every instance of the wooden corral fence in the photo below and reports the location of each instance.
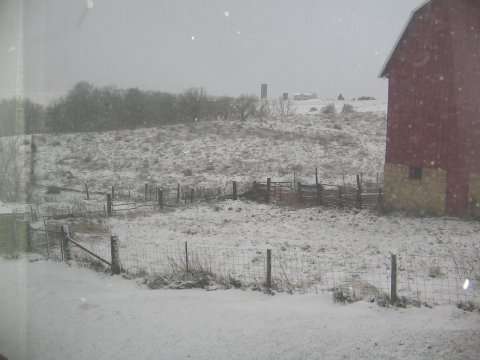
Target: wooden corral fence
(117, 198)
(321, 194)
(155, 196)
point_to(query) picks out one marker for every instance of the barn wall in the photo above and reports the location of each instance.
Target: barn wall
(421, 111)
(426, 195)
(465, 27)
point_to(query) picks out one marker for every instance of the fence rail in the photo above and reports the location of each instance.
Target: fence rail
(320, 194)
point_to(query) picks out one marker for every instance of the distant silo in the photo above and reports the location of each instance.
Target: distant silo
(263, 91)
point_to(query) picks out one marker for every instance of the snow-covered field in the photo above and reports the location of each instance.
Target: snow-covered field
(56, 312)
(315, 248)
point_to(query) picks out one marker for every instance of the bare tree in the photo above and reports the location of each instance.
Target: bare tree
(284, 107)
(224, 107)
(264, 109)
(245, 106)
(193, 102)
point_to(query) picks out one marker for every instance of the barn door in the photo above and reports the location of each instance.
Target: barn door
(457, 194)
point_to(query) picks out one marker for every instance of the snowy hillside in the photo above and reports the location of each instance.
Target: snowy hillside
(209, 153)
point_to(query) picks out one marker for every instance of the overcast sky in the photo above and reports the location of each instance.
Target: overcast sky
(229, 47)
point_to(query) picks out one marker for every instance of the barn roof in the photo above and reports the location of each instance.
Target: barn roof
(402, 36)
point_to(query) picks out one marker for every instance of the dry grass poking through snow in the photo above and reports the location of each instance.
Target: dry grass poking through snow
(207, 153)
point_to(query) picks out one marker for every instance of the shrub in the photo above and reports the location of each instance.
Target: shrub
(297, 168)
(468, 306)
(353, 290)
(188, 172)
(435, 272)
(329, 110)
(347, 109)
(312, 109)
(52, 189)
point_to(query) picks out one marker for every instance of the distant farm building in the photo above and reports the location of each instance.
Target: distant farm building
(304, 96)
(432, 162)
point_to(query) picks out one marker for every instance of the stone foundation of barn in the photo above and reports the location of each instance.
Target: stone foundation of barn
(474, 196)
(425, 195)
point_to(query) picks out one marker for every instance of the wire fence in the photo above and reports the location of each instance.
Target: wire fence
(51, 244)
(427, 279)
(414, 278)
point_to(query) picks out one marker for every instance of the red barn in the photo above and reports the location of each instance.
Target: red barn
(432, 162)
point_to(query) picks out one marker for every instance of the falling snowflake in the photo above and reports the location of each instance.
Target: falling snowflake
(89, 4)
(226, 13)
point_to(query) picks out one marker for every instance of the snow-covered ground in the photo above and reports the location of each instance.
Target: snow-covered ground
(56, 312)
(316, 248)
(309, 106)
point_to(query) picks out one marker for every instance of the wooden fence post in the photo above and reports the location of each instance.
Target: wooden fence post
(14, 235)
(114, 246)
(86, 190)
(47, 240)
(235, 190)
(269, 185)
(113, 192)
(186, 256)
(393, 280)
(178, 193)
(160, 198)
(146, 192)
(254, 185)
(192, 193)
(66, 243)
(299, 191)
(28, 235)
(380, 199)
(359, 192)
(268, 282)
(109, 204)
(317, 187)
(340, 196)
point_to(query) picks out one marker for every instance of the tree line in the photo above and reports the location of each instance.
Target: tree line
(86, 107)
